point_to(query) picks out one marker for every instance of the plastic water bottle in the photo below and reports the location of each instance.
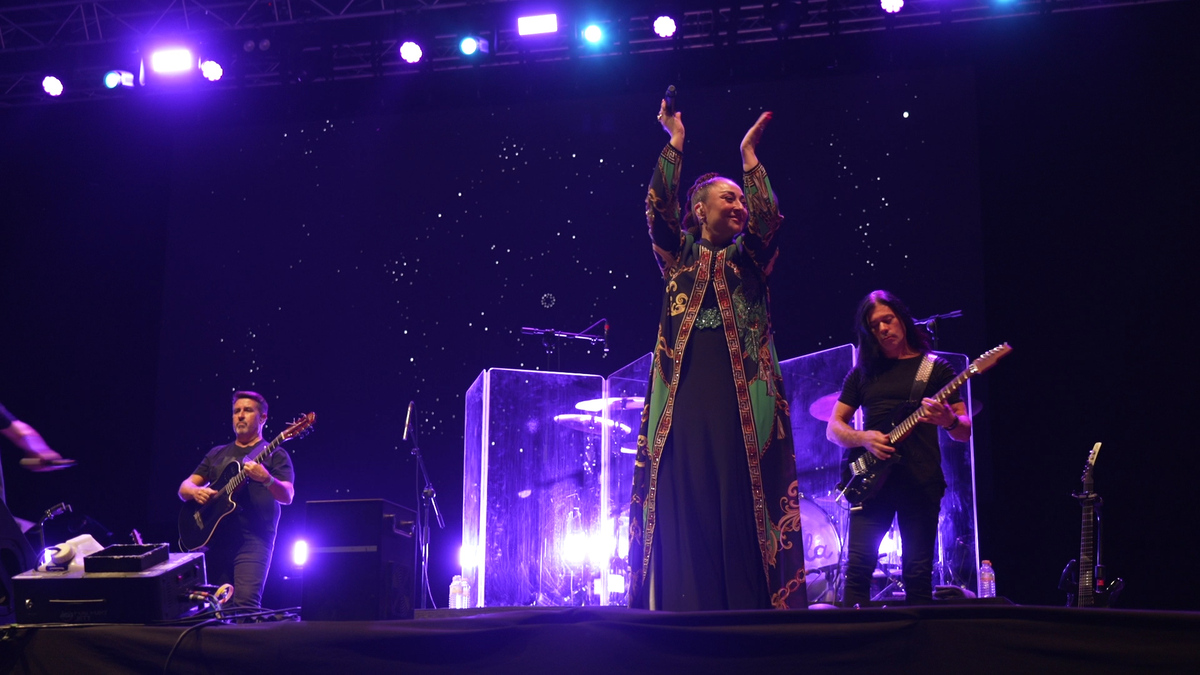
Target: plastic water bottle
(987, 580)
(456, 592)
(464, 595)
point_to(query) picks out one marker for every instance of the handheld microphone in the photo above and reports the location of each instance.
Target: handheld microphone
(408, 420)
(605, 337)
(669, 97)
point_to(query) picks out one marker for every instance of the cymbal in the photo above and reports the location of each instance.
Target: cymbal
(822, 408)
(590, 424)
(614, 403)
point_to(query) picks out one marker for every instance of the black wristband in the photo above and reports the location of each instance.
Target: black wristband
(953, 424)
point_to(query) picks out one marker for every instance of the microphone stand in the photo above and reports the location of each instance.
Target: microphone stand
(428, 501)
(550, 334)
(930, 324)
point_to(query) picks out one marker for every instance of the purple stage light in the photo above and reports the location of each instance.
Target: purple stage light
(299, 553)
(175, 60)
(211, 70)
(891, 6)
(537, 25)
(410, 52)
(52, 85)
(664, 26)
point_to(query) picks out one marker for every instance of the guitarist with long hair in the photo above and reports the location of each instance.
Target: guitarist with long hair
(240, 548)
(893, 358)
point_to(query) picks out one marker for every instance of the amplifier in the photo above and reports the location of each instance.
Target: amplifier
(157, 593)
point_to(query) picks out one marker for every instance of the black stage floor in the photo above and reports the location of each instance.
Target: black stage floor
(979, 638)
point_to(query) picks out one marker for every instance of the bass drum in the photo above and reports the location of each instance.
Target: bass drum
(822, 551)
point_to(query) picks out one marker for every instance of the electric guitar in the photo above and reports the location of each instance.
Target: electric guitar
(197, 522)
(1091, 588)
(868, 472)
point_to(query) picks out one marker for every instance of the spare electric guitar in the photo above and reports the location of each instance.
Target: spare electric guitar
(1086, 575)
(868, 472)
(197, 522)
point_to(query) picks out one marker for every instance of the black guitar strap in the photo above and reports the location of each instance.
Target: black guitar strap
(923, 373)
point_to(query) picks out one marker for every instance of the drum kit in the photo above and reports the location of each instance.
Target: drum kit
(823, 534)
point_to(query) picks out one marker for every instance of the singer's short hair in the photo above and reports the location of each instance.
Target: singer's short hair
(253, 396)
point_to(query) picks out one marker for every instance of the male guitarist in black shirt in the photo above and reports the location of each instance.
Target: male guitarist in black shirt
(239, 551)
(891, 351)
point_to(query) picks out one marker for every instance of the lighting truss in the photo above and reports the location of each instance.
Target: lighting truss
(315, 40)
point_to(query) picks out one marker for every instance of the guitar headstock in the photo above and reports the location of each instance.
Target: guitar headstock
(299, 427)
(990, 357)
(1087, 468)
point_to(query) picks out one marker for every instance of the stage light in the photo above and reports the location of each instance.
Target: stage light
(211, 70)
(467, 559)
(52, 85)
(172, 61)
(891, 6)
(299, 553)
(537, 25)
(471, 45)
(664, 26)
(410, 52)
(593, 34)
(118, 78)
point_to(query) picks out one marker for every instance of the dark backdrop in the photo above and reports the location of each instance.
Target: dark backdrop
(347, 248)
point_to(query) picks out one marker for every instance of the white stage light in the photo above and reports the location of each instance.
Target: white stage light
(52, 85)
(891, 6)
(172, 61)
(299, 553)
(211, 70)
(471, 45)
(593, 34)
(410, 52)
(664, 26)
(537, 25)
(118, 78)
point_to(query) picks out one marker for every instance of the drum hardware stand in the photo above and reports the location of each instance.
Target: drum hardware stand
(428, 502)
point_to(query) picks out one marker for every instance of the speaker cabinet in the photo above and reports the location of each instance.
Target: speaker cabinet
(360, 561)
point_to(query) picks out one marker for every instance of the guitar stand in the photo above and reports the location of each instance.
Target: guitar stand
(895, 583)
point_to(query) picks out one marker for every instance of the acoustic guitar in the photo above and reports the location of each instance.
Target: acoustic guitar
(197, 522)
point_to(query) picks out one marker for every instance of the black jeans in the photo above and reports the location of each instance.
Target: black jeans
(917, 514)
(242, 560)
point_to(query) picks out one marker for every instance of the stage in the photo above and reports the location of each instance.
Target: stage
(982, 637)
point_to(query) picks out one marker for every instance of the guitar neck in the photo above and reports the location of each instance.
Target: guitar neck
(240, 478)
(903, 429)
(1087, 560)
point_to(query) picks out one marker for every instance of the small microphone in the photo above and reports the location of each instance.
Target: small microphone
(408, 419)
(669, 97)
(56, 511)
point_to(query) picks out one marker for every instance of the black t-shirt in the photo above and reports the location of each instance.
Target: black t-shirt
(884, 400)
(257, 511)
